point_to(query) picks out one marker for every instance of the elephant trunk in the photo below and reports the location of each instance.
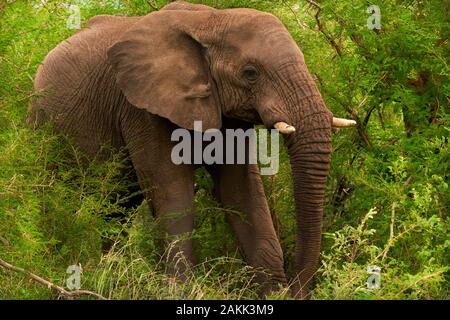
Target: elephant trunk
(309, 149)
(294, 106)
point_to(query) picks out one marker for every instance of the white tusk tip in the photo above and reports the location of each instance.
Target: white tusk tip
(343, 123)
(284, 128)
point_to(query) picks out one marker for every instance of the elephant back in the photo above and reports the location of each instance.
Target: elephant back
(74, 87)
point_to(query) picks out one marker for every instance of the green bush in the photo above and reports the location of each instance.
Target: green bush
(387, 198)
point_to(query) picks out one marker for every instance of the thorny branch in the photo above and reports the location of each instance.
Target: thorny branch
(352, 111)
(322, 28)
(299, 22)
(391, 231)
(416, 282)
(49, 284)
(360, 127)
(153, 5)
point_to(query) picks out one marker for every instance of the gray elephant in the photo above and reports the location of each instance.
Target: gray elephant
(131, 81)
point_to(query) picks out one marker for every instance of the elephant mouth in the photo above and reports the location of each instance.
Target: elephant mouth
(248, 114)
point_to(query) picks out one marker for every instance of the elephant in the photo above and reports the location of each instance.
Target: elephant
(131, 81)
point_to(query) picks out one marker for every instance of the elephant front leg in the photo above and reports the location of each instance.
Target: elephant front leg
(168, 188)
(172, 205)
(239, 187)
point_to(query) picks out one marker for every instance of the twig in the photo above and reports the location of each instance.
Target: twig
(365, 52)
(152, 4)
(360, 126)
(390, 242)
(322, 29)
(368, 114)
(299, 22)
(391, 230)
(428, 276)
(50, 285)
(433, 119)
(391, 226)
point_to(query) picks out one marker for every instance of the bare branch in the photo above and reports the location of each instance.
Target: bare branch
(153, 5)
(391, 230)
(421, 279)
(49, 284)
(299, 22)
(322, 28)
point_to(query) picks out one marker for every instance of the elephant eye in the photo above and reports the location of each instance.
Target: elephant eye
(250, 73)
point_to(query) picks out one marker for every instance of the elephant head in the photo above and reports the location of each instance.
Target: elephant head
(191, 62)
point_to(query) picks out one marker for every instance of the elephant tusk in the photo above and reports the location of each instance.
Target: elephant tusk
(343, 123)
(284, 128)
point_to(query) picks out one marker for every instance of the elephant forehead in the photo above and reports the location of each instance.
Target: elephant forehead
(260, 36)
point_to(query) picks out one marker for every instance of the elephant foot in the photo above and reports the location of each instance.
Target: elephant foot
(300, 292)
(268, 284)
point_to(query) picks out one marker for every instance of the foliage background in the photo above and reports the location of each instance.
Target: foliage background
(387, 197)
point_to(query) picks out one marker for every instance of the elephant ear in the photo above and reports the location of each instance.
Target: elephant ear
(160, 66)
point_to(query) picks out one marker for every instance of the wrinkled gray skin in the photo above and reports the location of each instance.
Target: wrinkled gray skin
(130, 81)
